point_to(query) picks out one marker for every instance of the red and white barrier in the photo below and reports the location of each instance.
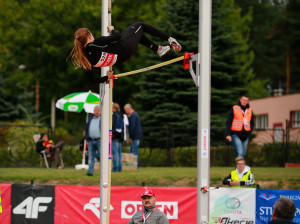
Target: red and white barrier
(81, 204)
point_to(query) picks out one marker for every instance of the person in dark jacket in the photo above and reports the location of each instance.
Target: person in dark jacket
(135, 130)
(51, 150)
(240, 123)
(93, 136)
(283, 211)
(117, 137)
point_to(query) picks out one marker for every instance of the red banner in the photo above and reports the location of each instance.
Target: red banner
(81, 204)
(5, 216)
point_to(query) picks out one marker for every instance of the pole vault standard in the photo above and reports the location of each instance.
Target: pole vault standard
(202, 80)
(104, 151)
(203, 151)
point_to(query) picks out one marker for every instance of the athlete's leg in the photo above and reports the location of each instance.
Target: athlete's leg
(152, 30)
(133, 35)
(148, 43)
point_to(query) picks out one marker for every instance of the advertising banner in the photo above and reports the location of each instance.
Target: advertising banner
(81, 204)
(32, 204)
(265, 199)
(232, 205)
(5, 203)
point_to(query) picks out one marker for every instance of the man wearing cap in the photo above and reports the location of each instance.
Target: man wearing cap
(150, 214)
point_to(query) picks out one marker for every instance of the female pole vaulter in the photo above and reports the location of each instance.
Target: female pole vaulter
(117, 48)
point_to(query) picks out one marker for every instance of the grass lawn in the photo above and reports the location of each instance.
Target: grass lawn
(267, 178)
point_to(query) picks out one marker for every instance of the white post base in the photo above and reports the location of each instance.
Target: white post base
(81, 166)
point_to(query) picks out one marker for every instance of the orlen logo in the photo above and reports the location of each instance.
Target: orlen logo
(204, 132)
(94, 205)
(264, 196)
(31, 207)
(128, 208)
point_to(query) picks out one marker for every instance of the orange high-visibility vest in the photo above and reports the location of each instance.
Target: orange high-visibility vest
(240, 119)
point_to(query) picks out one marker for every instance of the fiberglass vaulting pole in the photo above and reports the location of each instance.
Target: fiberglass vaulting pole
(104, 150)
(203, 151)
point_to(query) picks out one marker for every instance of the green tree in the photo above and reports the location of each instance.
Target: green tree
(124, 14)
(268, 42)
(39, 35)
(169, 95)
(293, 49)
(231, 58)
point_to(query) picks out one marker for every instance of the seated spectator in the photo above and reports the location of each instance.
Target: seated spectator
(81, 149)
(284, 211)
(51, 150)
(241, 177)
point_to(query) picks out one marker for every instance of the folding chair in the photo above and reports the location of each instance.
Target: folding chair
(36, 138)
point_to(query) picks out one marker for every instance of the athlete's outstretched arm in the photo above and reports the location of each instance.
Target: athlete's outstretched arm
(98, 80)
(104, 40)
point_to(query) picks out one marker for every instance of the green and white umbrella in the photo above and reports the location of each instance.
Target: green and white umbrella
(76, 102)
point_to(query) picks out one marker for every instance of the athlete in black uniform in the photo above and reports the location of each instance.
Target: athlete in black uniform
(117, 48)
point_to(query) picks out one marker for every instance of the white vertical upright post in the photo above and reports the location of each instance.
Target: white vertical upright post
(104, 129)
(203, 153)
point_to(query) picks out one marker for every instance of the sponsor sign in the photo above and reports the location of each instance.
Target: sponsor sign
(232, 205)
(265, 199)
(81, 204)
(129, 208)
(32, 204)
(5, 203)
(204, 143)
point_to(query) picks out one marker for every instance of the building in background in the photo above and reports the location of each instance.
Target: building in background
(276, 115)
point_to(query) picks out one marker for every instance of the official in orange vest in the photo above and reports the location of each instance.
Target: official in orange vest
(239, 125)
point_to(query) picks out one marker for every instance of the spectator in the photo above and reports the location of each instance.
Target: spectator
(117, 137)
(150, 214)
(93, 136)
(83, 143)
(284, 211)
(51, 150)
(239, 125)
(135, 130)
(241, 177)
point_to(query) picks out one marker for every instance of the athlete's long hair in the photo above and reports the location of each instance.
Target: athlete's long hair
(78, 53)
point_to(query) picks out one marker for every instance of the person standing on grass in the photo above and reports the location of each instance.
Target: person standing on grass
(150, 214)
(117, 137)
(239, 125)
(241, 177)
(284, 211)
(135, 130)
(93, 136)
